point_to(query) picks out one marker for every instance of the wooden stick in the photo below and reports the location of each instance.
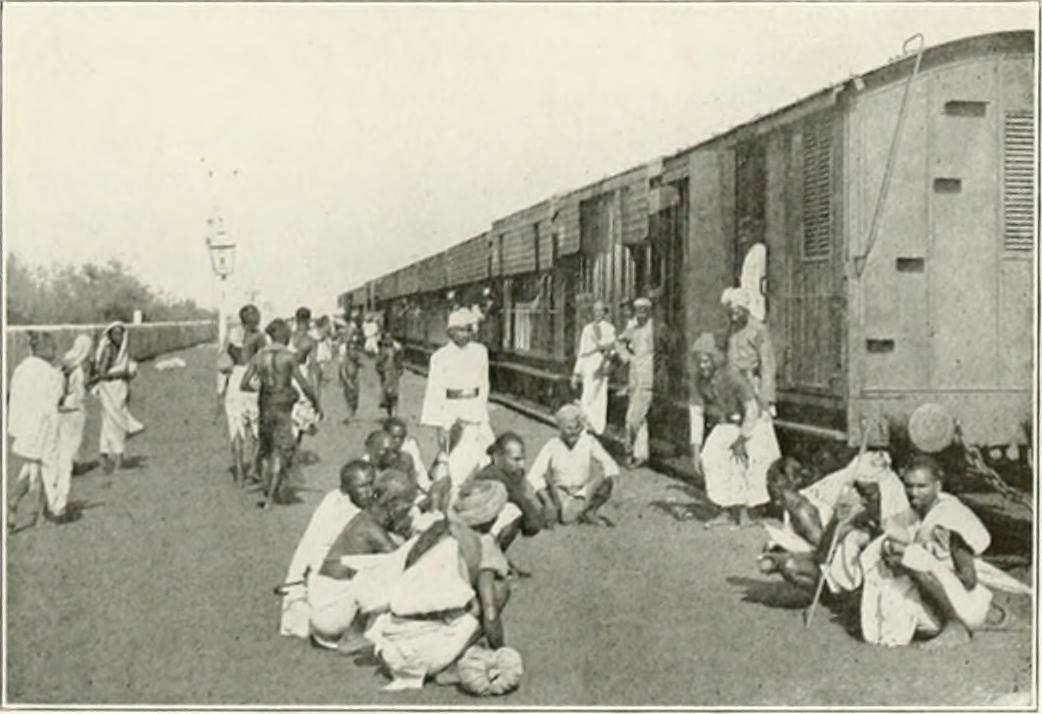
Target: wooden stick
(809, 612)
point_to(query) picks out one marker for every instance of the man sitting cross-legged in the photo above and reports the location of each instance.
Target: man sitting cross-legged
(563, 475)
(450, 595)
(402, 443)
(336, 510)
(929, 580)
(848, 507)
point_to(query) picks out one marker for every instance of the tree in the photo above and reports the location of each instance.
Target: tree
(88, 294)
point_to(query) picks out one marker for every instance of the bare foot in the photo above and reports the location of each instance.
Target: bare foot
(448, 676)
(953, 635)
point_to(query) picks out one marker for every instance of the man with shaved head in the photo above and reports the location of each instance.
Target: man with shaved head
(593, 365)
(335, 593)
(564, 477)
(335, 511)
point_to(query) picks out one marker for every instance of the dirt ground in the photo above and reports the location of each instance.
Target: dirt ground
(161, 593)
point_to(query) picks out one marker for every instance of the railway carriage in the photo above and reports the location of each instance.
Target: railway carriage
(887, 224)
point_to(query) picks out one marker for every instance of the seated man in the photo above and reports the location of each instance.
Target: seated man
(335, 511)
(523, 513)
(380, 452)
(336, 592)
(402, 443)
(930, 580)
(450, 595)
(848, 508)
(563, 475)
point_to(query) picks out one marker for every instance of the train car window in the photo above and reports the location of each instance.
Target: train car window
(879, 346)
(963, 108)
(947, 185)
(1018, 182)
(817, 187)
(911, 265)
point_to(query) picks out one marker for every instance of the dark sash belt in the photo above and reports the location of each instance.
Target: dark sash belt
(461, 393)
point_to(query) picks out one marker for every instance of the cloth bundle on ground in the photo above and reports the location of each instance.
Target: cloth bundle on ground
(486, 672)
(170, 363)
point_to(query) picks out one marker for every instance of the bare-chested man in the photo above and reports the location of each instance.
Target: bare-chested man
(350, 364)
(240, 406)
(278, 370)
(336, 593)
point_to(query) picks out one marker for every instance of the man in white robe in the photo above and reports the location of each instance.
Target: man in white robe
(596, 345)
(334, 512)
(35, 390)
(457, 399)
(929, 579)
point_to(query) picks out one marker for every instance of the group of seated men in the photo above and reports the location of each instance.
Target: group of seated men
(908, 548)
(411, 563)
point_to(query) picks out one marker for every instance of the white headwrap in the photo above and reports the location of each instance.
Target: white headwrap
(736, 297)
(461, 318)
(79, 351)
(122, 359)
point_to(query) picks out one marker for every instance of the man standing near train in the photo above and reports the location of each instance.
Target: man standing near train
(749, 348)
(593, 365)
(636, 346)
(457, 397)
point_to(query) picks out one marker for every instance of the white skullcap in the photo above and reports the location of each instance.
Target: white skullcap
(736, 297)
(642, 302)
(461, 318)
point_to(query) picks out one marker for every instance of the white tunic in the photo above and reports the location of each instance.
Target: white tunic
(333, 513)
(570, 469)
(457, 386)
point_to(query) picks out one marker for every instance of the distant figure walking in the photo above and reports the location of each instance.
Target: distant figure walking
(389, 367)
(115, 369)
(72, 416)
(32, 419)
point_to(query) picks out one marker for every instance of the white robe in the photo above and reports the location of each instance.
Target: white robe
(594, 400)
(333, 513)
(892, 607)
(462, 371)
(117, 423)
(32, 418)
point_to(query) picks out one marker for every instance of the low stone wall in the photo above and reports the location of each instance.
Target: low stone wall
(147, 340)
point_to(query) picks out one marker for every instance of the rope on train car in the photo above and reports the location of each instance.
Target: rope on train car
(981, 468)
(873, 231)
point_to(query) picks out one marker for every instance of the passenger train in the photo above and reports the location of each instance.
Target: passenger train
(887, 224)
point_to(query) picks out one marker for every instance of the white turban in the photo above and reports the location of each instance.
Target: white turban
(642, 302)
(736, 297)
(461, 318)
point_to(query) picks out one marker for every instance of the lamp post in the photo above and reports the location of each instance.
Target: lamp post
(222, 260)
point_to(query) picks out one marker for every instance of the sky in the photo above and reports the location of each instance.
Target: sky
(338, 142)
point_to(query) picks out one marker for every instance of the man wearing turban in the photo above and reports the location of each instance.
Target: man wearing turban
(740, 446)
(456, 399)
(564, 477)
(456, 571)
(749, 348)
